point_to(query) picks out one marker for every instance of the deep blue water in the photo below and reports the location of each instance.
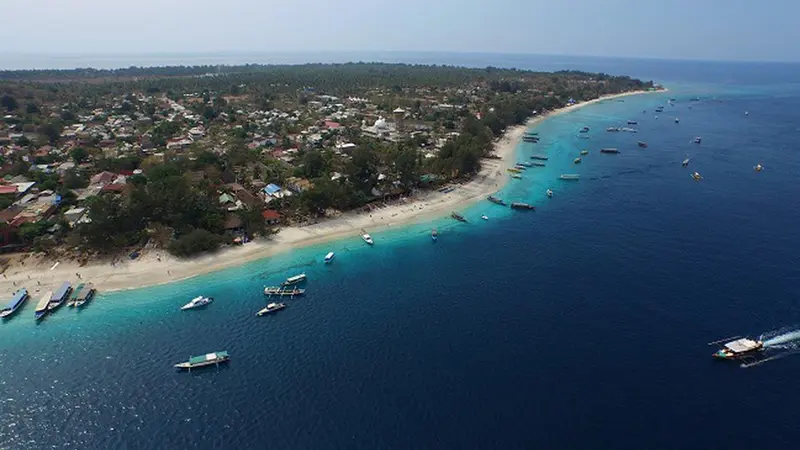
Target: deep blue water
(581, 325)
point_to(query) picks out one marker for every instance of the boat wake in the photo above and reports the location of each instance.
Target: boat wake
(788, 340)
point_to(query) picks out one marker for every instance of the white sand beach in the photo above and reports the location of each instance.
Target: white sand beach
(158, 267)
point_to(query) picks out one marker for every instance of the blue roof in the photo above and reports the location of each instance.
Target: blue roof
(62, 291)
(18, 297)
(272, 188)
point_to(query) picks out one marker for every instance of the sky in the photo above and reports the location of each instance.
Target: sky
(673, 29)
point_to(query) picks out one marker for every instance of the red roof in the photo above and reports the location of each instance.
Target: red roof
(8, 189)
(271, 214)
(19, 220)
(113, 187)
(332, 124)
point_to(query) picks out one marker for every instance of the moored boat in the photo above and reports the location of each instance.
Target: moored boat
(367, 238)
(495, 200)
(738, 348)
(283, 291)
(516, 176)
(612, 129)
(538, 164)
(208, 359)
(642, 144)
(60, 295)
(576, 161)
(584, 152)
(434, 235)
(271, 308)
(524, 164)
(677, 120)
(520, 205)
(539, 157)
(632, 122)
(86, 293)
(685, 162)
(698, 140)
(513, 170)
(197, 302)
(41, 307)
(584, 130)
(329, 257)
(458, 217)
(299, 278)
(570, 177)
(696, 176)
(17, 299)
(758, 167)
(609, 150)
(549, 193)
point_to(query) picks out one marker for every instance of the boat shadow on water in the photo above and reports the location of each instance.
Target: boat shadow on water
(204, 371)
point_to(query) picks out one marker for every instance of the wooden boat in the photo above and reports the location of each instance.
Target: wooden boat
(209, 359)
(71, 301)
(283, 291)
(19, 297)
(513, 170)
(738, 348)
(539, 157)
(609, 150)
(520, 205)
(458, 217)
(271, 308)
(632, 122)
(570, 177)
(538, 164)
(516, 176)
(86, 294)
(495, 200)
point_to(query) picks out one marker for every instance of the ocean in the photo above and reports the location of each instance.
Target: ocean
(581, 325)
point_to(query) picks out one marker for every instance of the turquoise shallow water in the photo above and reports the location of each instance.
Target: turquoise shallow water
(580, 325)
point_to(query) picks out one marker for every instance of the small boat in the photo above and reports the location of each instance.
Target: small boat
(520, 167)
(485, 217)
(299, 278)
(583, 136)
(570, 177)
(642, 144)
(86, 293)
(520, 205)
(367, 238)
(576, 161)
(746, 113)
(633, 122)
(516, 176)
(539, 157)
(612, 151)
(197, 302)
(685, 162)
(696, 176)
(17, 300)
(630, 130)
(612, 129)
(41, 307)
(698, 140)
(696, 99)
(660, 109)
(495, 200)
(60, 296)
(532, 134)
(513, 170)
(677, 120)
(524, 164)
(538, 164)
(208, 359)
(738, 349)
(584, 130)
(74, 296)
(673, 100)
(271, 308)
(584, 152)
(329, 257)
(283, 291)
(434, 235)
(758, 167)
(533, 139)
(458, 217)
(549, 193)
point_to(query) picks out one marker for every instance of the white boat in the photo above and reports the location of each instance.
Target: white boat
(485, 217)
(576, 161)
(696, 176)
(685, 162)
(197, 302)
(329, 257)
(677, 120)
(758, 168)
(299, 278)
(271, 308)
(434, 235)
(550, 193)
(367, 238)
(570, 177)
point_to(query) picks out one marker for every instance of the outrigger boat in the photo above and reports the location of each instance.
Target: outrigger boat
(513, 170)
(60, 296)
(271, 308)
(495, 200)
(524, 164)
(194, 362)
(696, 176)
(570, 177)
(84, 295)
(538, 164)
(539, 157)
(758, 167)
(520, 205)
(458, 217)
(74, 296)
(737, 348)
(516, 176)
(283, 291)
(17, 300)
(41, 307)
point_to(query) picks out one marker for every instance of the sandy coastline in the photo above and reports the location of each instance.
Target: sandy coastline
(158, 267)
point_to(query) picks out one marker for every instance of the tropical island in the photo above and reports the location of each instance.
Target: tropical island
(182, 160)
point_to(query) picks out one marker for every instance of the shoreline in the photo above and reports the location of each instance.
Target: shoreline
(158, 267)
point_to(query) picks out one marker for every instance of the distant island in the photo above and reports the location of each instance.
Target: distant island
(187, 159)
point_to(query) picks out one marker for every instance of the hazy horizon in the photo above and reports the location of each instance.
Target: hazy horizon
(715, 30)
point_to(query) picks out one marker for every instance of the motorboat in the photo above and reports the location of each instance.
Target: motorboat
(642, 144)
(697, 140)
(299, 278)
(685, 162)
(549, 193)
(576, 161)
(696, 176)
(271, 308)
(434, 235)
(584, 152)
(367, 238)
(495, 200)
(197, 302)
(458, 217)
(485, 217)
(208, 359)
(758, 167)
(329, 257)
(609, 150)
(677, 120)
(738, 348)
(570, 177)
